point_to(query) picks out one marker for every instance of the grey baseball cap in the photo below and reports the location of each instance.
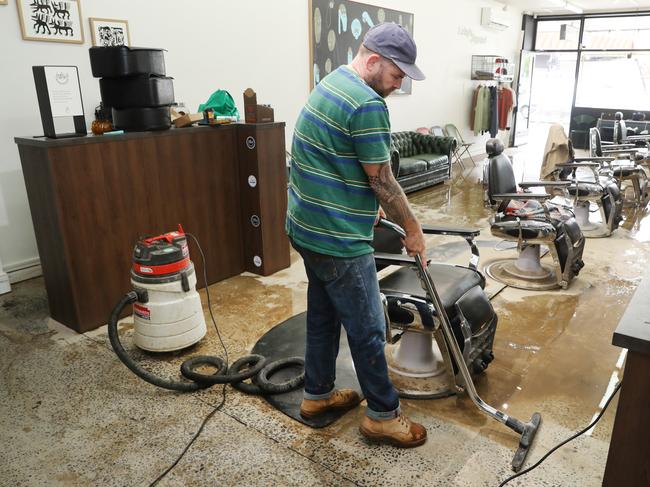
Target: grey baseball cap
(392, 41)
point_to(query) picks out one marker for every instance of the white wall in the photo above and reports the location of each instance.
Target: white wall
(232, 45)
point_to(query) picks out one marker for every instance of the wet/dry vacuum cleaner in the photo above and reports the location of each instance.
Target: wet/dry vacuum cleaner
(168, 316)
(172, 316)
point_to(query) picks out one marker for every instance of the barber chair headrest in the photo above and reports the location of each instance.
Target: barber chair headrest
(494, 147)
(618, 116)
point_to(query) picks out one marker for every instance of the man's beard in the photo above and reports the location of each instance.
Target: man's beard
(375, 83)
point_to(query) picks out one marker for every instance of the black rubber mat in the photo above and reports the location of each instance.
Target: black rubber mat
(288, 340)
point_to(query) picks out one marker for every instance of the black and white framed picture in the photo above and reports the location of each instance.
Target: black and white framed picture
(51, 20)
(109, 32)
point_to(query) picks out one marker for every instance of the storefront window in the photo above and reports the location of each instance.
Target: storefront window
(617, 33)
(557, 35)
(614, 80)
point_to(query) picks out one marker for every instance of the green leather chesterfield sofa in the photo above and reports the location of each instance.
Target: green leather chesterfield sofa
(420, 160)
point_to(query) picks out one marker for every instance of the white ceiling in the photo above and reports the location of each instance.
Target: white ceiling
(556, 7)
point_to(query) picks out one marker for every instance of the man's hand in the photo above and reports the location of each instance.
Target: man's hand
(414, 243)
(380, 214)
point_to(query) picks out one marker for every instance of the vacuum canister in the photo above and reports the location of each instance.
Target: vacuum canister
(168, 314)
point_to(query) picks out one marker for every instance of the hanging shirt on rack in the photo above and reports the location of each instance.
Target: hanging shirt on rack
(506, 102)
(493, 111)
(472, 112)
(485, 112)
(480, 107)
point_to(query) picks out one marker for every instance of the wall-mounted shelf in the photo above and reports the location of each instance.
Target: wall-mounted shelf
(492, 68)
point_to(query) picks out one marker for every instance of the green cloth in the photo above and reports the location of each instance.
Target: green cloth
(222, 103)
(345, 124)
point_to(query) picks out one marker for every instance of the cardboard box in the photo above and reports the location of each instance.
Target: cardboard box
(187, 119)
(254, 113)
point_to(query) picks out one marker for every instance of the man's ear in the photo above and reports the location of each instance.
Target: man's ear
(372, 61)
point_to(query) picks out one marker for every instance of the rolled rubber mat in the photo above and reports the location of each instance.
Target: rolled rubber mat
(288, 340)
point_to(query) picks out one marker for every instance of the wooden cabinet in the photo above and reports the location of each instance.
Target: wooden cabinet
(92, 197)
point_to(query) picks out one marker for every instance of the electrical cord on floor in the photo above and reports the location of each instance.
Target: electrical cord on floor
(548, 453)
(196, 435)
(223, 391)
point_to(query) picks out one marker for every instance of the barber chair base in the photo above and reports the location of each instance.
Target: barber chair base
(417, 368)
(589, 229)
(416, 355)
(506, 271)
(635, 193)
(288, 340)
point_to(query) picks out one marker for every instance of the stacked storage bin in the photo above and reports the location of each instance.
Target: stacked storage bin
(134, 85)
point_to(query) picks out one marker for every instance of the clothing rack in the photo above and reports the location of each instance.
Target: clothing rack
(492, 107)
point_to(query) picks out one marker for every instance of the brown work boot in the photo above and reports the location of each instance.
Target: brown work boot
(399, 431)
(340, 399)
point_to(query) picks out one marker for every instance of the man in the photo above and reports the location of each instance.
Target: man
(340, 171)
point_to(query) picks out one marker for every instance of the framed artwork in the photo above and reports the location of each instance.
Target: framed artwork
(3, 2)
(51, 20)
(109, 32)
(336, 30)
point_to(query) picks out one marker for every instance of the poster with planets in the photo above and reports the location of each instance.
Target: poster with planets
(336, 30)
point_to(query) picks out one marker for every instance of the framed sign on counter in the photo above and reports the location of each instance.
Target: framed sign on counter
(336, 30)
(59, 96)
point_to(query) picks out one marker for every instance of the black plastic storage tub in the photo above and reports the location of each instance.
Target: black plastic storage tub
(141, 119)
(118, 61)
(137, 91)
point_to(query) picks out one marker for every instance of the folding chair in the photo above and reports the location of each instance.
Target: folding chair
(462, 147)
(437, 131)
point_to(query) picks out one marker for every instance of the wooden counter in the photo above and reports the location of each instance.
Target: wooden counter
(92, 197)
(628, 460)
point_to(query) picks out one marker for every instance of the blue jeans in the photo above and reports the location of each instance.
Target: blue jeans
(346, 291)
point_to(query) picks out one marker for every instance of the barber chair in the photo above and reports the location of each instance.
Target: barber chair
(622, 134)
(419, 369)
(592, 184)
(624, 164)
(531, 220)
(440, 326)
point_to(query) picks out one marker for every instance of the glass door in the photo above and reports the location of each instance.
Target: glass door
(524, 87)
(554, 75)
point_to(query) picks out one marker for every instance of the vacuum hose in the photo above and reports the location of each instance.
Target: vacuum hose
(259, 370)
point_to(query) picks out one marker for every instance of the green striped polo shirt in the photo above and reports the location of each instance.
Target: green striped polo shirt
(332, 208)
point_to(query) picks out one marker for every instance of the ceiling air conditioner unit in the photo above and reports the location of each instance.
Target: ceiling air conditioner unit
(494, 19)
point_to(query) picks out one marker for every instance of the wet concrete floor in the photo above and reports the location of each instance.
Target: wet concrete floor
(72, 415)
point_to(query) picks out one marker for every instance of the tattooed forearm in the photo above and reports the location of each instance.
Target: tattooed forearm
(391, 196)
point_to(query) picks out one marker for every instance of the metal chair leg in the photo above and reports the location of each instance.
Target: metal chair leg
(458, 159)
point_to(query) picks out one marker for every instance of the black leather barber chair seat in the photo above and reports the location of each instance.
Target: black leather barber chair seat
(419, 366)
(531, 220)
